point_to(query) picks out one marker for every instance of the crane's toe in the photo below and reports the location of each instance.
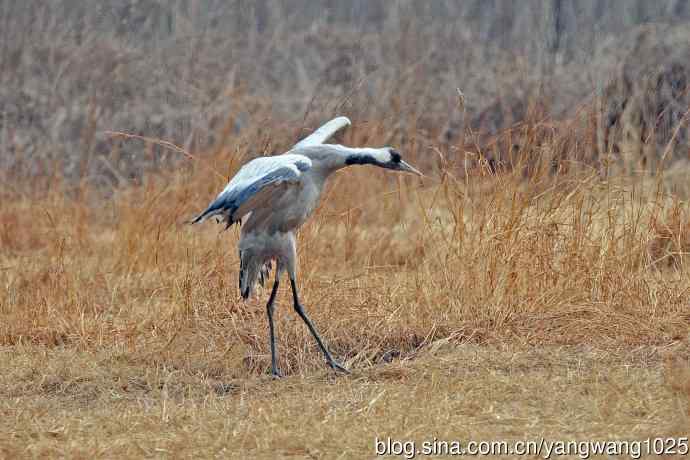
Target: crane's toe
(338, 367)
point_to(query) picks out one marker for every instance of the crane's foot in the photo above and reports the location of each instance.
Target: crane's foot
(276, 374)
(338, 367)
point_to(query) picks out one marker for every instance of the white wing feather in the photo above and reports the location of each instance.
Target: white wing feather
(322, 134)
(250, 180)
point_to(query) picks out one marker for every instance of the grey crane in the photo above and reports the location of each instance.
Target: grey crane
(271, 197)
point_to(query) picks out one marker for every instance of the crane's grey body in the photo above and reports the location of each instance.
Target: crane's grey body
(273, 197)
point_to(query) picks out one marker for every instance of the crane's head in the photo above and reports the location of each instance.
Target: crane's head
(385, 157)
(395, 162)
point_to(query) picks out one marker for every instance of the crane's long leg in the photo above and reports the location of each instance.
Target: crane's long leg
(270, 307)
(300, 311)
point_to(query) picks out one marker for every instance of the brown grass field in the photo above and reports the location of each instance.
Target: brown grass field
(468, 304)
(535, 284)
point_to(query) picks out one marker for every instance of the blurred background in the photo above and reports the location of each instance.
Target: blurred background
(452, 74)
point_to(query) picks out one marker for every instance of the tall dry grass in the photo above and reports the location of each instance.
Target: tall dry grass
(387, 265)
(510, 296)
(72, 69)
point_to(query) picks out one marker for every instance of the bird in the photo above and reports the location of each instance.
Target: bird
(270, 197)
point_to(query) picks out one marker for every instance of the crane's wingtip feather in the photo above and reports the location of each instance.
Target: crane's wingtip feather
(196, 220)
(324, 132)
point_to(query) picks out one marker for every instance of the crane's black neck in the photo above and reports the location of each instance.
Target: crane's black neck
(365, 159)
(361, 159)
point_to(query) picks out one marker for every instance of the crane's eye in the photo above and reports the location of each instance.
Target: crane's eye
(395, 157)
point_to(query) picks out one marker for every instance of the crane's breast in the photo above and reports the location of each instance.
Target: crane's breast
(297, 204)
(286, 211)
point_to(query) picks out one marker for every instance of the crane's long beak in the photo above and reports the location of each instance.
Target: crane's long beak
(404, 166)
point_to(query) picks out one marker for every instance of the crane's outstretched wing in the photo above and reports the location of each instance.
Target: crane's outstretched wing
(322, 134)
(261, 177)
(253, 182)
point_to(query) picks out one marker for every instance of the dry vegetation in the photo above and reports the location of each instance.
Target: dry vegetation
(518, 291)
(482, 306)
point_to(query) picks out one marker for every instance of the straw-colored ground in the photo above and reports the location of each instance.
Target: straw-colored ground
(109, 404)
(480, 306)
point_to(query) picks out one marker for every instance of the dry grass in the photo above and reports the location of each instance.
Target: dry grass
(175, 69)
(516, 292)
(86, 404)
(469, 306)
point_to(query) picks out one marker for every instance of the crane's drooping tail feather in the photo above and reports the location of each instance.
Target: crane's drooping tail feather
(264, 273)
(251, 271)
